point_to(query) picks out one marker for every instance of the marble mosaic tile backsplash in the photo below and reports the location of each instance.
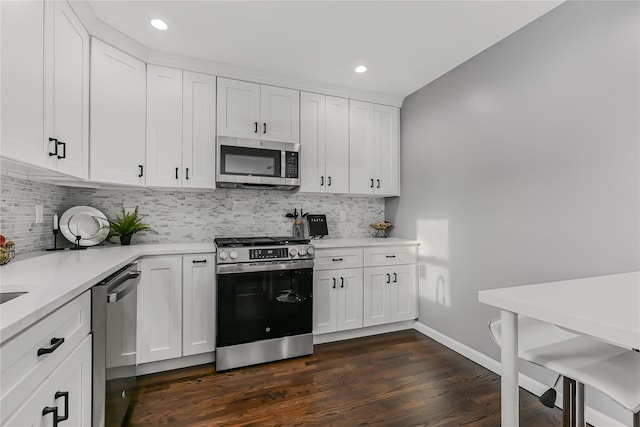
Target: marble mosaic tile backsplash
(18, 199)
(181, 216)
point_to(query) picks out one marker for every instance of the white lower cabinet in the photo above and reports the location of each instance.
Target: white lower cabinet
(389, 294)
(363, 286)
(198, 304)
(65, 394)
(337, 300)
(176, 307)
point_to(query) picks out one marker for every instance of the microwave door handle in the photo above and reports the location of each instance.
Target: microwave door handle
(283, 163)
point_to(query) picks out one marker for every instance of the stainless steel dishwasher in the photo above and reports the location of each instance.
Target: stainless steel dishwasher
(113, 324)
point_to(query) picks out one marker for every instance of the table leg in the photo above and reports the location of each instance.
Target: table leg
(509, 369)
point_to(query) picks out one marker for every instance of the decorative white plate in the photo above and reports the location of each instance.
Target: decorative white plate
(84, 221)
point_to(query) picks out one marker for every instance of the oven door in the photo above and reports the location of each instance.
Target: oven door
(263, 301)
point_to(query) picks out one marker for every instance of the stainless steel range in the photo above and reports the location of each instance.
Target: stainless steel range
(264, 300)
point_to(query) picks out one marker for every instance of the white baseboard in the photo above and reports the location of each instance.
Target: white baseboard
(362, 332)
(593, 417)
(178, 363)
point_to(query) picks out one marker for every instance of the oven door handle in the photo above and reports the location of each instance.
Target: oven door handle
(263, 266)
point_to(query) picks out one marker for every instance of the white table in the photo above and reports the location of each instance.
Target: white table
(604, 307)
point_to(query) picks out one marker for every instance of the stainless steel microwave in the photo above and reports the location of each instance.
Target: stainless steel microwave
(252, 163)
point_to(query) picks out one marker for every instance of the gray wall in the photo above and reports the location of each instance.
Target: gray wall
(178, 216)
(522, 166)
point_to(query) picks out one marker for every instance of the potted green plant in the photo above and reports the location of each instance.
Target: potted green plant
(127, 225)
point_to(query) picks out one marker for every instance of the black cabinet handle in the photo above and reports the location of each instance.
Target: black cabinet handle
(395, 278)
(334, 282)
(51, 410)
(378, 183)
(321, 180)
(64, 149)
(329, 184)
(337, 259)
(391, 256)
(265, 128)
(187, 174)
(199, 261)
(177, 173)
(55, 343)
(371, 182)
(255, 130)
(342, 282)
(55, 147)
(141, 171)
(64, 394)
(388, 278)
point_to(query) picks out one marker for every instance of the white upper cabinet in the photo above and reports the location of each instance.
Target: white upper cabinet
(373, 149)
(66, 96)
(22, 38)
(324, 140)
(198, 130)
(164, 126)
(279, 114)
(180, 128)
(118, 116)
(45, 81)
(250, 110)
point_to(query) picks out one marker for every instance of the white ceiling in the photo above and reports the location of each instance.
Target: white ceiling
(405, 44)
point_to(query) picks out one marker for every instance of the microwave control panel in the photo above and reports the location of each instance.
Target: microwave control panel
(291, 164)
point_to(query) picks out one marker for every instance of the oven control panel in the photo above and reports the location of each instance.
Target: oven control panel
(268, 253)
(257, 254)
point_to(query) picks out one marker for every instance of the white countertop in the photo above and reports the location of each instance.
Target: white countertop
(604, 307)
(54, 279)
(366, 241)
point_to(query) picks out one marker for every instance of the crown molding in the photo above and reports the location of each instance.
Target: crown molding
(110, 35)
(221, 69)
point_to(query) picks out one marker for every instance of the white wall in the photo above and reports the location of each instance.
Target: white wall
(522, 165)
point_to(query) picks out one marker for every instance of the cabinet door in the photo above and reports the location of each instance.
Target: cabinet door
(199, 304)
(22, 70)
(280, 114)
(66, 96)
(164, 127)
(159, 309)
(71, 382)
(386, 151)
(376, 295)
(238, 108)
(402, 296)
(325, 301)
(350, 299)
(361, 152)
(312, 142)
(198, 130)
(337, 145)
(118, 116)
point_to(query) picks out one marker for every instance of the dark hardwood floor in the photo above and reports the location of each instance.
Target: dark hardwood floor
(396, 379)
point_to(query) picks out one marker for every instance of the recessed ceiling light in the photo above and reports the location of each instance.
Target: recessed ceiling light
(159, 24)
(361, 69)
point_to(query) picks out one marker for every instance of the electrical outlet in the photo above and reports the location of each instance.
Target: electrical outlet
(343, 216)
(39, 214)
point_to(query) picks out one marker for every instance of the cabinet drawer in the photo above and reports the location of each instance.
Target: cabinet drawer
(389, 255)
(331, 259)
(22, 370)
